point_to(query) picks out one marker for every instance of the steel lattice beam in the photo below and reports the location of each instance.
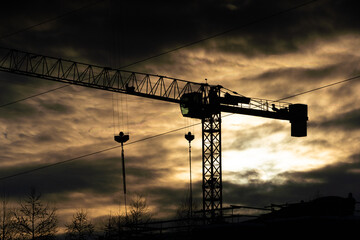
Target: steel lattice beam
(212, 178)
(104, 78)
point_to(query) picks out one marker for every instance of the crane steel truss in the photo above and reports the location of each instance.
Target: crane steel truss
(211, 155)
(87, 75)
(197, 100)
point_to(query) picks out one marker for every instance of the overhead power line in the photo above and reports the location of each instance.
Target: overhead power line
(32, 96)
(48, 20)
(90, 154)
(284, 98)
(166, 52)
(157, 55)
(268, 17)
(55, 164)
(34, 26)
(322, 87)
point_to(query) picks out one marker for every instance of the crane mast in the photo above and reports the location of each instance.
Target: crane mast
(197, 100)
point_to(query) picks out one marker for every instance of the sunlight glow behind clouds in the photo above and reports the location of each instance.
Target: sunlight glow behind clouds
(75, 121)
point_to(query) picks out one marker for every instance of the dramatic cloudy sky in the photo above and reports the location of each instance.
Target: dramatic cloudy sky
(270, 53)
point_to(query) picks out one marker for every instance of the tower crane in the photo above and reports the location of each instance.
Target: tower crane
(197, 100)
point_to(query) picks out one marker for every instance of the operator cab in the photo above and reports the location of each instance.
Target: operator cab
(191, 105)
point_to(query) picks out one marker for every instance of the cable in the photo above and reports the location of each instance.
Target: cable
(163, 53)
(291, 96)
(36, 25)
(161, 134)
(90, 154)
(55, 164)
(32, 96)
(308, 91)
(169, 51)
(224, 32)
(48, 20)
(315, 89)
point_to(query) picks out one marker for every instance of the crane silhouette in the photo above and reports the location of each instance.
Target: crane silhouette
(197, 100)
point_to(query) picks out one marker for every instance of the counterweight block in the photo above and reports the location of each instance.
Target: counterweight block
(298, 119)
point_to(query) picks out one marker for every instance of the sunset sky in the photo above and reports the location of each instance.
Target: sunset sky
(264, 51)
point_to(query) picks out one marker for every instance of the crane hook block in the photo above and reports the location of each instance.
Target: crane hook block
(298, 119)
(189, 137)
(121, 138)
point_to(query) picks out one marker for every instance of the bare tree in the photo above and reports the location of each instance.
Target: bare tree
(186, 208)
(115, 227)
(80, 228)
(139, 211)
(128, 226)
(6, 221)
(34, 220)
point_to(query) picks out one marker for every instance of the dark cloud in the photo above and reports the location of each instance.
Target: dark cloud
(116, 33)
(319, 143)
(14, 89)
(336, 179)
(93, 175)
(84, 175)
(286, 32)
(294, 74)
(331, 179)
(18, 111)
(348, 121)
(253, 136)
(161, 26)
(56, 107)
(251, 176)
